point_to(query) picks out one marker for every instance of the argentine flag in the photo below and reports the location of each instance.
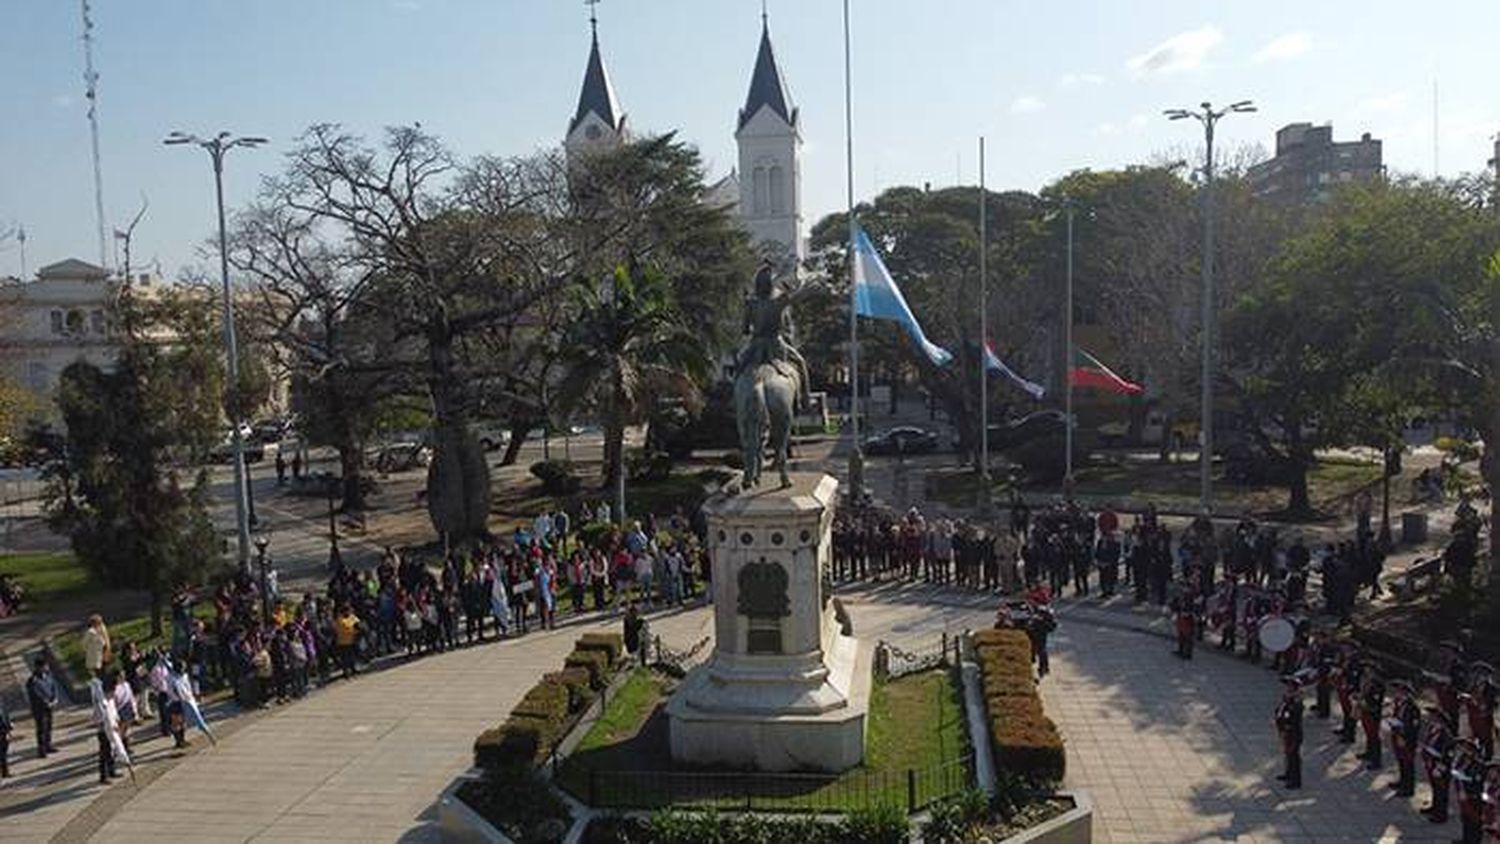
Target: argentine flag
(876, 296)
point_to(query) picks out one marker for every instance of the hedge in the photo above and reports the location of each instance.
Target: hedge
(612, 644)
(1026, 741)
(548, 701)
(596, 663)
(539, 720)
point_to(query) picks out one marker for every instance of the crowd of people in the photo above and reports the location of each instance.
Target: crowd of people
(268, 648)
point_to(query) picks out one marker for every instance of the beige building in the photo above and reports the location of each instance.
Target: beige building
(59, 317)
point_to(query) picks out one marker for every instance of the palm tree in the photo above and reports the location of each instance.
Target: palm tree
(627, 349)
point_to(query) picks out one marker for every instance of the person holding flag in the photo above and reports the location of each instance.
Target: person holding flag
(107, 729)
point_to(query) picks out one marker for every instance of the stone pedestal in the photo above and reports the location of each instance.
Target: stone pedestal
(784, 690)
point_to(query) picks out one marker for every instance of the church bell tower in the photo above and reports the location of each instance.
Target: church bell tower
(769, 136)
(598, 123)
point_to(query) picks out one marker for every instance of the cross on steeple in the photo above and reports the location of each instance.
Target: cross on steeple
(593, 18)
(763, 15)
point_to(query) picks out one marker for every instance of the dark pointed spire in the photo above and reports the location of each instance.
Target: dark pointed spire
(597, 96)
(767, 88)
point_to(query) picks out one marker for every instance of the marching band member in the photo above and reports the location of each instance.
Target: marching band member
(1437, 756)
(1405, 725)
(1468, 777)
(1322, 657)
(1351, 671)
(1371, 706)
(1491, 798)
(1288, 722)
(1479, 704)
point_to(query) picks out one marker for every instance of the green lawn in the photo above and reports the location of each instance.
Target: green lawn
(49, 578)
(915, 729)
(69, 647)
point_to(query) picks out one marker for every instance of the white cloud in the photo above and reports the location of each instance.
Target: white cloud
(1381, 103)
(1026, 105)
(1131, 125)
(1183, 51)
(1283, 47)
(1078, 80)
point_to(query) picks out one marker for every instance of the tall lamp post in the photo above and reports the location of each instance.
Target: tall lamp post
(334, 559)
(1208, 116)
(216, 147)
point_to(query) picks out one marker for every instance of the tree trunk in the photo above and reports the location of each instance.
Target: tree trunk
(518, 432)
(351, 467)
(1166, 455)
(1299, 504)
(156, 607)
(458, 480)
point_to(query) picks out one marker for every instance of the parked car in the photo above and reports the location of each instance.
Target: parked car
(268, 431)
(491, 437)
(1033, 426)
(906, 439)
(401, 457)
(224, 452)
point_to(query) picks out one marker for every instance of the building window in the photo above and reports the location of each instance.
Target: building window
(778, 191)
(75, 323)
(57, 322)
(99, 325)
(761, 191)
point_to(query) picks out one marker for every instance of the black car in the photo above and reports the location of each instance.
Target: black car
(903, 440)
(1032, 426)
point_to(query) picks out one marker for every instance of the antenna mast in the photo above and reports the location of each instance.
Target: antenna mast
(91, 93)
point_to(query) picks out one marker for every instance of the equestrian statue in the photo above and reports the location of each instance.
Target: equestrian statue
(770, 378)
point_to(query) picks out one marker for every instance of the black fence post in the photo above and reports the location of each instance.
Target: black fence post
(593, 787)
(911, 791)
(945, 647)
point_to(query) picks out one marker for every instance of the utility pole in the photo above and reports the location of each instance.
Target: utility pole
(91, 93)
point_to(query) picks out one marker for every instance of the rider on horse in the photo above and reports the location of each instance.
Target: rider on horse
(768, 322)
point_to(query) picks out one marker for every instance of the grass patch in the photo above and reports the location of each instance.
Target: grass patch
(49, 578)
(626, 712)
(915, 725)
(69, 646)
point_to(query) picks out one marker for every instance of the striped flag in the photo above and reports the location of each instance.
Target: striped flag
(1088, 371)
(876, 296)
(993, 363)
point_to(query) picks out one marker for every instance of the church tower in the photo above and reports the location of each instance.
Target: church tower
(770, 146)
(598, 122)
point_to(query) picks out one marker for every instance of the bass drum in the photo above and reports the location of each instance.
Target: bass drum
(1276, 634)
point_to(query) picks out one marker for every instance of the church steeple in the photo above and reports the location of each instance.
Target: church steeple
(598, 120)
(767, 87)
(770, 147)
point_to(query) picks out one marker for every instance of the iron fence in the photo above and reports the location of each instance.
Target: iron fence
(912, 789)
(892, 661)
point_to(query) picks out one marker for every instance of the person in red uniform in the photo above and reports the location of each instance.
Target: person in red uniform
(1405, 726)
(1479, 704)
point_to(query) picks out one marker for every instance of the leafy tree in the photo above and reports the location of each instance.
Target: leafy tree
(630, 346)
(131, 516)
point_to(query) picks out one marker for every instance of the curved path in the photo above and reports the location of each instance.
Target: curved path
(1169, 751)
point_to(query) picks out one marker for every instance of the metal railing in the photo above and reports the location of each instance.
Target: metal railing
(912, 789)
(892, 661)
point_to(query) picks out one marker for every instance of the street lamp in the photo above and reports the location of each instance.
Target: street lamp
(261, 543)
(1208, 116)
(216, 147)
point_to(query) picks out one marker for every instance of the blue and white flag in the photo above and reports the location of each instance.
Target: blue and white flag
(876, 296)
(993, 363)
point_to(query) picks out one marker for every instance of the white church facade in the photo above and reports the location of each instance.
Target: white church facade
(766, 187)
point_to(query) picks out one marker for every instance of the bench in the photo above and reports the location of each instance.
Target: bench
(1420, 574)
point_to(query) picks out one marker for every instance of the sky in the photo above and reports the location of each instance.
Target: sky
(1053, 87)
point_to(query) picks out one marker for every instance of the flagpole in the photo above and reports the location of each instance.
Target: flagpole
(856, 461)
(1068, 367)
(984, 337)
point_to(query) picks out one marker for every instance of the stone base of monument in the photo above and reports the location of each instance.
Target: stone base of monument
(784, 689)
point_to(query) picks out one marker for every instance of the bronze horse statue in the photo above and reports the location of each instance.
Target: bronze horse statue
(765, 397)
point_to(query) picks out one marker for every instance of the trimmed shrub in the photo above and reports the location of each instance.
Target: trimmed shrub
(1027, 743)
(558, 477)
(595, 662)
(576, 680)
(547, 700)
(504, 747)
(612, 644)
